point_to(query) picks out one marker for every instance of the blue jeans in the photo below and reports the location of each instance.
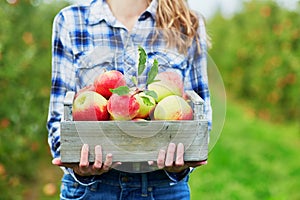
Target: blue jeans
(116, 185)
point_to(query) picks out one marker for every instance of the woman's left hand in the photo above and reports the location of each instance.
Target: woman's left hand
(166, 159)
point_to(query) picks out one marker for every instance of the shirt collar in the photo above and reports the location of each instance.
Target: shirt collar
(99, 10)
(152, 8)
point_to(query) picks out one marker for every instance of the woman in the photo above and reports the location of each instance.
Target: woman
(115, 25)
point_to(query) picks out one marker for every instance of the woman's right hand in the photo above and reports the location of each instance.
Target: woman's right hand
(84, 168)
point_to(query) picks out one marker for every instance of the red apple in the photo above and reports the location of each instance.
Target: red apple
(90, 106)
(123, 107)
(108, 80)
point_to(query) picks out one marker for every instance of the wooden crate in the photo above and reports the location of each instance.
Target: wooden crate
(134, 141)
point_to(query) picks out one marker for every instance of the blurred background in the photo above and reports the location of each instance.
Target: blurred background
(256, 47)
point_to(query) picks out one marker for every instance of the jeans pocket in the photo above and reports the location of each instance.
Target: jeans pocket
(70, 189)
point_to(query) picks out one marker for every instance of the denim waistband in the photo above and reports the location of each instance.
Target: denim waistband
(118, 178)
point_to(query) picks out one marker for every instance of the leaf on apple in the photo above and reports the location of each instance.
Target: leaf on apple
(134, 80)
(151, 93)
(122, 90)
(153, 72)
(142, 60)
(147, 101)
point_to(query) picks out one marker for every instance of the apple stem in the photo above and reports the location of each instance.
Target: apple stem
(137, 90)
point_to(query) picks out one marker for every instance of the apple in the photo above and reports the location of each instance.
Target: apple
(123, 107)
(139, 120)
(108, 80)
(170, 83)
(90, 106)
(145, 106)
(86, 88)
(173, 107)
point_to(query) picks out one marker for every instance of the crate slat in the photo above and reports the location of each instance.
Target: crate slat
(133, 141)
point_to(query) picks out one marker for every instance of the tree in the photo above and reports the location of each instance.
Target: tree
(257, 51)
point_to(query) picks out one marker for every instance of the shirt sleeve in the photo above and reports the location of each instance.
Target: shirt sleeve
(63, 76)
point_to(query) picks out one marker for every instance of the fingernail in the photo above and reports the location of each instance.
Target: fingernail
(172, 144)
(55, 161)
(203, 162)
(109, 155)
(98, 148)
(180, 144)
(150, 162)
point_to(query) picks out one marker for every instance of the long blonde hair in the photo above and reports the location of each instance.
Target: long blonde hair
(180, 22)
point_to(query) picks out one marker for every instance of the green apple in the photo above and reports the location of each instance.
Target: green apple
(173, 107)
(147, 104)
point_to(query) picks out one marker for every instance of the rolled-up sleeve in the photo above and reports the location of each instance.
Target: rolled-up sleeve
(62, 80)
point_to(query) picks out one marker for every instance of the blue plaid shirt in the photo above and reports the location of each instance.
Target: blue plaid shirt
(88, 39)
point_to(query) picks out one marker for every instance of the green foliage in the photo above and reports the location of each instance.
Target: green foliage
(257, 52)
(25, 50)
(252, 160)
(122, 90)
(152, 73)
(142, 60)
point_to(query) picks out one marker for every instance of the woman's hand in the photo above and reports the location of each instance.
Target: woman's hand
(166, 161)
(84, 168)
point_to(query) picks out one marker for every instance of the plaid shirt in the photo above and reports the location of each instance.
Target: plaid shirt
(88, 39)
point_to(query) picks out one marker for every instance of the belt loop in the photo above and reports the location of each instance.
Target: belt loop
(144, 185)
(120, 181)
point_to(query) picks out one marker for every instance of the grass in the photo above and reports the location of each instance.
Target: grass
(253, 159)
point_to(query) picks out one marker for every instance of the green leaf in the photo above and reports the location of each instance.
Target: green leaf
(142, 60)
(122, 90)
(153, 72)
(134, 80)
(151, 93)
(147, 101)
